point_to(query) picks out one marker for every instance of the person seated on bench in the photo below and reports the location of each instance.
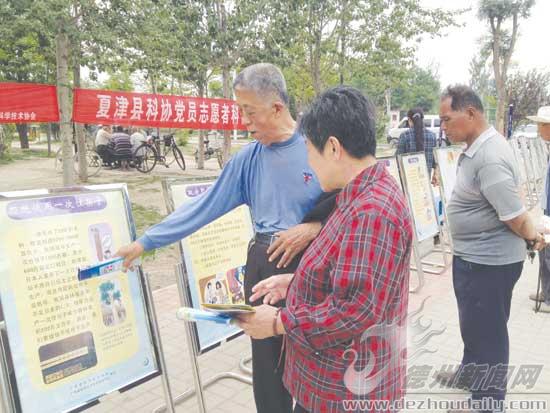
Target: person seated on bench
(123, 147)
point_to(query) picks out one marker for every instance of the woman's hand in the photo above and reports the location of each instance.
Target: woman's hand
(273, 289)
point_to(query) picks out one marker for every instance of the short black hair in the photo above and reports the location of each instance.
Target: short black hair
(462, 96)
(345, 113)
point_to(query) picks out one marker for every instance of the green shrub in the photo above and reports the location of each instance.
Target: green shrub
(182, 137)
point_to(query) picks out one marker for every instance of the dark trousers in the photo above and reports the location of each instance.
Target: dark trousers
(106, 153)
(269, 393)
(484, 294)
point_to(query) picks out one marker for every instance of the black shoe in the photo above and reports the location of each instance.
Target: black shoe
(452, 380)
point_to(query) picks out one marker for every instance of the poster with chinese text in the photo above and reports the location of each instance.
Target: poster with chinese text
(215, 258)
(416, 181)
(447, 161)
(71, 341)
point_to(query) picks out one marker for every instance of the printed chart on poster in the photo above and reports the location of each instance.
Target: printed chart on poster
(215, 258)
(71, 341)
(416, 181)
(447, 161)
(390, 163)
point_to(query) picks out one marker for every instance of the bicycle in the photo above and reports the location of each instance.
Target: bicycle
(93, 160)
(149, 153)
(210, 152)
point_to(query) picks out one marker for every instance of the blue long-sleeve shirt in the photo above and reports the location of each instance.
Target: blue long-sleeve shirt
(275, 181)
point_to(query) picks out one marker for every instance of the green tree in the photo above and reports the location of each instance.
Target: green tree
(503, 18)
(420, 88)
(527, 91)
(25, 54)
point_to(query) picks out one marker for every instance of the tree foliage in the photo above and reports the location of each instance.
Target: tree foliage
(503, 18)
(183, 46)
(528, 91)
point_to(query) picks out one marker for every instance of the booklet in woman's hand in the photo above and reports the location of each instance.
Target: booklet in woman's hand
(229, 309)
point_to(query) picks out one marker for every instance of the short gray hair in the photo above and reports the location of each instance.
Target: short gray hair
(462, 96)
(263, 79)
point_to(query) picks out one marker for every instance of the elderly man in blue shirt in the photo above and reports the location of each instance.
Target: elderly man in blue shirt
(272, 176)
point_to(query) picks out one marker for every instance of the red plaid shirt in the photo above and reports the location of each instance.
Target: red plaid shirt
(348, 300)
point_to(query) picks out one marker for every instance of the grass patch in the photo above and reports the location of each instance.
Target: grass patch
(139, 182)
(23, 154)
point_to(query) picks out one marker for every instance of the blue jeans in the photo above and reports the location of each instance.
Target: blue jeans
(484, 294)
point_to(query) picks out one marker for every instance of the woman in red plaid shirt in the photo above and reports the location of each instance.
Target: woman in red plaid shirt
(345, 315)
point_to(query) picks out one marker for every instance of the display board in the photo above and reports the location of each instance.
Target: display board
(214, 258)
(417, 186)
(447, 161)
(390, 162)
(71, 341)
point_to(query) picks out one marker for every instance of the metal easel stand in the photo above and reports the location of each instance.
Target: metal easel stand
(8, 404)
(437, 268)
(199, 386)
(243, 367)
(529, 173)
(418, 268)
(156, 333)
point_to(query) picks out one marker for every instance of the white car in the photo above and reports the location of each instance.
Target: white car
(431, 122)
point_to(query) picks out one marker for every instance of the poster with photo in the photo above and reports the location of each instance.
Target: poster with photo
(71, 341)
(447, 161)
(416, 181)
(215, 258)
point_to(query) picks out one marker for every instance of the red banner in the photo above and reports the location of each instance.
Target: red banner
(28, 103)
(161, 111)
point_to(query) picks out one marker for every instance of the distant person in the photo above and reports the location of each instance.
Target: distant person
(137, 138)
(103, 144)
(543, 121)
(123, 147)
(419, 139)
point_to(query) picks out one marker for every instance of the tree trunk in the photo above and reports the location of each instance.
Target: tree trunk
(501, 106)
(49, 137)
(3, 146)
(387, 98)
(23, 131)
(225, 82)
(202, 134)
(62, 58)
(226, 94)
(342, 34)
(78, 127)
(316, 64)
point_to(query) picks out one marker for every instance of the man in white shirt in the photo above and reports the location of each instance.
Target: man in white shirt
(137, 138)
(103, 145)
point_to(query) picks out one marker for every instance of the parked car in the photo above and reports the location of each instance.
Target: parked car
(529, 130)
(431, 122)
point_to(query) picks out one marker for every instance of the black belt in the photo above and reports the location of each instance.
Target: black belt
(265, 238)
